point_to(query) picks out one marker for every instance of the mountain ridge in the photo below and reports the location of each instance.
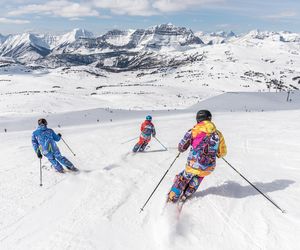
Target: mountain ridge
(163, 45)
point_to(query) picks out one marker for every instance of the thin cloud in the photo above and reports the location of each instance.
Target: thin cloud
(13, 21)
(56, 8)
(150, 7)
(179, 5)
(75, 19)
(223, 25)
(74, 9)
(282, 15)
(126, 7)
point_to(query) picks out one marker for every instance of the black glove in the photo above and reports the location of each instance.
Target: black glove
(59, 134)
(39, 154)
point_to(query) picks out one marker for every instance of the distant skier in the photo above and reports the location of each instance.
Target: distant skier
(206, 143)
(147, 129)
(44, 143)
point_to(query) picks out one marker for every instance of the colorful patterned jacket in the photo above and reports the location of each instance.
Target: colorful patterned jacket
(147, 129)
(206, 143)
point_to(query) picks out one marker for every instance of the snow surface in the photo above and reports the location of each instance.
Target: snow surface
(97, 111)
(99, 207)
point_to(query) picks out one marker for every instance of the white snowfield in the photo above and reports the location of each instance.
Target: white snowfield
(99, 207)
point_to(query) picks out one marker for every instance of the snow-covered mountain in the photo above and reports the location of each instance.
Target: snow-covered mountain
(215, 37)
(2, 38)
(26, 47)
(67, 38)
(154, 38)
(159, 47)
(82, 43)
(257, 37)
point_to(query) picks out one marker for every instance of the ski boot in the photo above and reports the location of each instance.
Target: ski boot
(60, 170)
(136, 148)
(182, 198)
(173, 195)
(143, 146)
(72, 168)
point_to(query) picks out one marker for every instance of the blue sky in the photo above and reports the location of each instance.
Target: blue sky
(98, 16)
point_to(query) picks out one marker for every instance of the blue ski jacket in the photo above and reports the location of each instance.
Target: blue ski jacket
(44, 139)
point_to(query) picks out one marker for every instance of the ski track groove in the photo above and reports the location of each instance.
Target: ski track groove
(28, 195)
(220, 212)
(34, 210)
(227, 220)
(67, 235)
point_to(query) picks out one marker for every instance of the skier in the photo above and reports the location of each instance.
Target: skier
(147, 129)
(44, 143)
(206, 143)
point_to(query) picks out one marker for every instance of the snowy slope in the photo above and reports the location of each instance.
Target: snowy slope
(245, 83)
(99, 208)
(248, 102)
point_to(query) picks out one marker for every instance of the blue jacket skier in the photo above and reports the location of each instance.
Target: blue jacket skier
(44, 143)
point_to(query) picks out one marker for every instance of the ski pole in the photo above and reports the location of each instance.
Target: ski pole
(130, 140)
(68, 146)
(41, 177)
(269, 199)
(161, 143)
(142, 209)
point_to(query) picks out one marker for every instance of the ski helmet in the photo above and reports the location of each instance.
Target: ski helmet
(42, 121)
(203, 115)
(149, 118)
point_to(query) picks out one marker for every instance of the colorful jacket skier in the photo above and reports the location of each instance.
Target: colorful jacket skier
(206, 143)
(44, 143)
(147, 129)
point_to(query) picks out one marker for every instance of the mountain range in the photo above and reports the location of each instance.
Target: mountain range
(163, 45)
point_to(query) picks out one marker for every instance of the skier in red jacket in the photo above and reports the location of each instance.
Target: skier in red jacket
(147, 129)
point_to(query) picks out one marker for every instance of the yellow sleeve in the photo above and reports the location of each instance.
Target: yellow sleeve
(222, 150)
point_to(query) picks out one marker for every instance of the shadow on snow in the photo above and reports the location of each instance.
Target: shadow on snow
(235, 190)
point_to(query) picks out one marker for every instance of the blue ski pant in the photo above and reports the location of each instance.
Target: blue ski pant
(57, 159)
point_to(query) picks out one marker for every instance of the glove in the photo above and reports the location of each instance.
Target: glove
(59, 134)
(39, 154)
(184, 147)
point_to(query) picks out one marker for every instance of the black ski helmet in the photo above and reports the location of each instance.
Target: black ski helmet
(203, 115)
(42, 121)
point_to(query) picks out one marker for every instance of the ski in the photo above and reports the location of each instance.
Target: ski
(179, 205)
(66, 170)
